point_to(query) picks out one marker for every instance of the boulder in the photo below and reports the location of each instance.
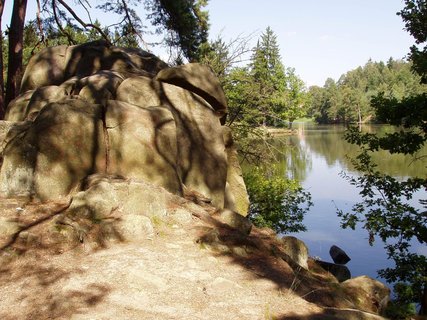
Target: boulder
(41, 97)
(236, 221)
(296, 250)
(340, 272)
(5, 127)
(55, 65)
(17, 108)
(48, 157)
(95, 108)
(99, 87)
(144, 60)
(199, 79)
(142, 144)
(236, 195)
(338, 255)
(202, 161)
(369, 295)
(45, 68)
(127, 209)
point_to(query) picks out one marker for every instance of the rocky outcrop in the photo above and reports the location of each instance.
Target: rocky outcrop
(139, 183)
(370, 295)
(93, 108)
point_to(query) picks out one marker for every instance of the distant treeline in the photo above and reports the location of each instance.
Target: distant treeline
(348, 100)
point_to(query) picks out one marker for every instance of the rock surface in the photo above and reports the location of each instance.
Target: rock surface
(373, 295)
(125, 249)
(341, 272)
(93, 108)
(338, 255)
(296, 250)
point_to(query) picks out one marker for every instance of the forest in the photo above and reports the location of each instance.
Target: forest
(262, 91)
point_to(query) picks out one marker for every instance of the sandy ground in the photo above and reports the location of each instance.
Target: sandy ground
(170, 275)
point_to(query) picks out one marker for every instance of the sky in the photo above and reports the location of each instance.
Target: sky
(319, 38)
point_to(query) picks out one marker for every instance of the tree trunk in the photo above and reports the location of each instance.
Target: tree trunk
(423, 309)
(16, 42)
(2, 105)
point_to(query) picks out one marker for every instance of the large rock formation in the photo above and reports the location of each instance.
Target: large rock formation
(93, 108)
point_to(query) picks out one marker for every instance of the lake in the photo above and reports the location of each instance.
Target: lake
(316, 156)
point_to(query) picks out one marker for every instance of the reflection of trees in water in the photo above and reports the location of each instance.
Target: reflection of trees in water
(330, 145)
(295, 153)
(294, 160)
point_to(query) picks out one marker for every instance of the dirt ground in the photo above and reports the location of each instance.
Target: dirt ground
(169, 275)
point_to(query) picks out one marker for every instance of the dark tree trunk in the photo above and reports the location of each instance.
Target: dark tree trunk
(2, 105)
(423, 309)
(16, 43)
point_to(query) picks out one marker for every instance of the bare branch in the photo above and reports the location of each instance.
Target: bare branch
(58, 23)
(85, 25)
(39, 22)
(134, 31)
(86, 9)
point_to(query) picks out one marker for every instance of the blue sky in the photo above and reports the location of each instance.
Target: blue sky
(319, 38)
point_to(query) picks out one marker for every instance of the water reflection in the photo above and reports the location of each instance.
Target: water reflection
(316, 156)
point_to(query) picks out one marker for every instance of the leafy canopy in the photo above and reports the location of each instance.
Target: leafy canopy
(387, 210)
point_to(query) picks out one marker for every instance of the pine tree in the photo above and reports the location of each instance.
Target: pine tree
(268, 74)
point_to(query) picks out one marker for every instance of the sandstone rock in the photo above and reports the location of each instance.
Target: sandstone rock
(48, 157)
(41, 97)
(164, 131)
(55, 65)
(16, 109)
(33, 101)
(340, 272)
(45, 68)
(181, 216)
(338, 255)
(236, 195)
(368, 294)
(5, 127)
(202, 162)
(8, 227)
(127, 209)
(145, 60)
(143, 144)
(135, 227)
(236, 221)
(199, 79)
(99, 87)
(296, 250)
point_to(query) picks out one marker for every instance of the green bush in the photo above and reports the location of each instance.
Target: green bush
(275, 201)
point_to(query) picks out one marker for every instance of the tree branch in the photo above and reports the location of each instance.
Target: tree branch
(85, 25)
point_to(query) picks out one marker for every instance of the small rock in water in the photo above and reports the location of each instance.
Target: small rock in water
(340, 272)
(338, 255)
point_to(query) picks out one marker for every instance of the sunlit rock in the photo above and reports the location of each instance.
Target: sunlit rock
(94, 108)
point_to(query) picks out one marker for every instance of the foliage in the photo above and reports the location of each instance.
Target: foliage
(348, 99)
(386, 210)
(296, 98)
(268, 77)
(261, 92)
(185, 23)
(414, 14)
(276, 202)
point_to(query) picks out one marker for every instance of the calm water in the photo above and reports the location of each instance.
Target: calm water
(317, 156)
